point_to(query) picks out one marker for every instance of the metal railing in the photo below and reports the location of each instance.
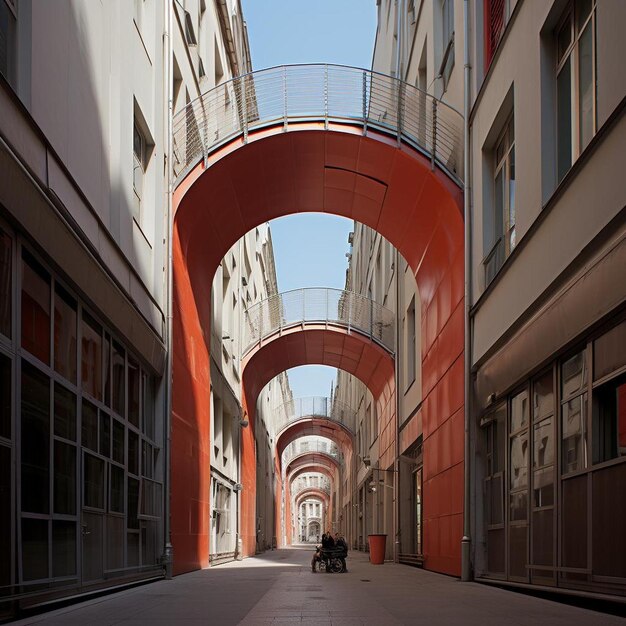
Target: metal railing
(329, 93)
(298, 447)
(317, 407)
(318, 305)
(323, 486)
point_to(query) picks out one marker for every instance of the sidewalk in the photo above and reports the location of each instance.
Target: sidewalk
(279, 588)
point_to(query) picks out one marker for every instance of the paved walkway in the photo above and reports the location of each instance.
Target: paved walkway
(279, 588)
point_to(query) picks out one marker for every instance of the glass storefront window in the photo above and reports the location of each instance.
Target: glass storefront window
(519, 460)
(574, 375)
(543, 487)
(544, 443)
(5, 396)
(118, 442)
(543, 396)
(64, 478)
(36, 292)
(133, 392)
(119, 379)
(64, 334)
(34, 549)
(519, 411)
(6, 282)
(573, 434)
(93, 482)
(63, 548)
(609, 420)
(35, 437)
(91, 356)
(64, 413)
(89, 429)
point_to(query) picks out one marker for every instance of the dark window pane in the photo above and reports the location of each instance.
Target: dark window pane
(133, 452)
(117, 489)
(519, 506)
(63, 548)
(35, 309)
(148, 406)
(609, 352)
(609, 512)
(573, 425)
(146, 460)
(133, 503)
(518, 551)
(5, 396)
(91, 356)
(5, 283)
(574, 522)
(93, 495)
(519, 460)
(543, 396)
(132, 554)
(544, 443)
(149, 543)
(35, 440)
(543, 487)
(64, 334)
(133, 392)
(564, 119)
(34, 549)
(609, 420)
(64, 478)
(586, 87)
(5, 515)
(106, 349)
(574, 375)
(105, 434)
(64, 413)
(496, 551)
(118, 441)
(543, 545)
(119, 379)
(519, 411)
(115, 542)
(89, 426)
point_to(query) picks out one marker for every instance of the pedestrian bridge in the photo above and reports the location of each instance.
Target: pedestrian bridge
(290, 95)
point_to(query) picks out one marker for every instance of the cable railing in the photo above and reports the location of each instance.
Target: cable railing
(318, 305)
(290, 94)
(299, 488)
(298, 447)
(315, 407)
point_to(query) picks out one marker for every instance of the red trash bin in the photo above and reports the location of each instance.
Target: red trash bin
(377, 548)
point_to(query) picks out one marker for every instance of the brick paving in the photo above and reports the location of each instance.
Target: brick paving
(279, 588)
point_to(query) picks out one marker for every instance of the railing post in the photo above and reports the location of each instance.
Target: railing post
(364, 96)
(284, 98)
(434, 146)
(327, 312)
(325, 97)
(399, 120)
(349, 310)
(303, 306)
(371, 319)
(261, 324)
(244, 107)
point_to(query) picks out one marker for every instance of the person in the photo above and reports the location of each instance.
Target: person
(327, 541)
(340, 542)
(317, 556)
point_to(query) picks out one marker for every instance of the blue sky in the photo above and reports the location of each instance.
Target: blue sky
(310, 248)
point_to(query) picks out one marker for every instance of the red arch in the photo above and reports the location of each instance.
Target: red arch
(319, 459)
(369, 178)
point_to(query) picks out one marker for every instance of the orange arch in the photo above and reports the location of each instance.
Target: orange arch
(319, 459)
(369, 178)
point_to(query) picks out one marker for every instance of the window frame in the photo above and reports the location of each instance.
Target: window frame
(572, 55)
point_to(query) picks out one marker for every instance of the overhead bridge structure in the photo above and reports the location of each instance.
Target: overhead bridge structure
(348, 142)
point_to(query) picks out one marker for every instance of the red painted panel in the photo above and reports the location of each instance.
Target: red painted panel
(279, 173)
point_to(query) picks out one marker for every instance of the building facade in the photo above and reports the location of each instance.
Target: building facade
(83, 226)
(547, 209)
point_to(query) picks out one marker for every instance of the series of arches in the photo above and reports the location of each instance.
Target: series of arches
(366, 176)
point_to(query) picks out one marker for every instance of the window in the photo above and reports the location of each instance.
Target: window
(35, 308)
(8, 40)
(503, 237)
(575, 83)
(447, 40)
(496, 15)
(6, 255)
(5, 396)
(140, 163)
(609, 420)
(91, 356)
(574, 413)
(64, 334)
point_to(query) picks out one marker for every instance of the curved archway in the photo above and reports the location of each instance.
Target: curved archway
(367, 177)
